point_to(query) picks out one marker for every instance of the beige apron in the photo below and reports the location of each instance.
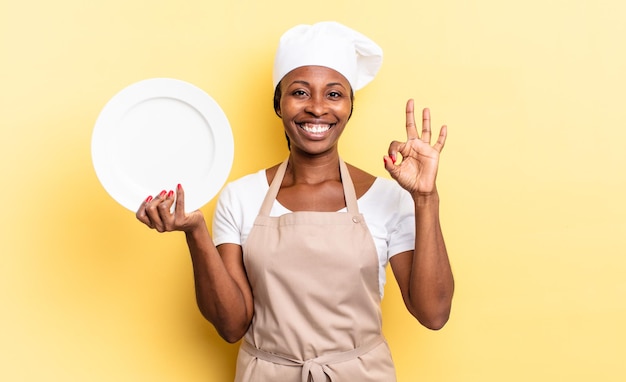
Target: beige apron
(314, 277)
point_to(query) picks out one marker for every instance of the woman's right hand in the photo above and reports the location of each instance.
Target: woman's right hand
(156, 213)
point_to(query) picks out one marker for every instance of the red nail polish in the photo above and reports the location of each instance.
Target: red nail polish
(179, 187)
(162, 194)
(170, 194)
(148, 199)
(393, 158)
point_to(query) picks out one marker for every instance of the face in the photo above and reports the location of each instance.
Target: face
(315, 105)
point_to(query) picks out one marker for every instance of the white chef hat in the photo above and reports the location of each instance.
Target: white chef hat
(332, 45)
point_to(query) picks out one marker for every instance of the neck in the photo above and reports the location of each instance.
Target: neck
(308, 170)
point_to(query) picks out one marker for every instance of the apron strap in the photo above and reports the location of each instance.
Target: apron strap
(316, 367)
(348, 189)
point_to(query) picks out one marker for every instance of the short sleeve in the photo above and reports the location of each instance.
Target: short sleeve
(402, 230)
(237, 208)
(227, 219)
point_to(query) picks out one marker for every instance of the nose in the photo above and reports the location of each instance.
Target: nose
(316, 106)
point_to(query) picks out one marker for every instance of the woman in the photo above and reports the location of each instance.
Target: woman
(296, 264)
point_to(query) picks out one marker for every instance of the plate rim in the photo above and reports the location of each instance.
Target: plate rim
(163, 87)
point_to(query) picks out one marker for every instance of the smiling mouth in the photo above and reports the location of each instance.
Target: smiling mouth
(315, 128)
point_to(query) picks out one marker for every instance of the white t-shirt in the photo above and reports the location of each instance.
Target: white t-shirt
(387, 208)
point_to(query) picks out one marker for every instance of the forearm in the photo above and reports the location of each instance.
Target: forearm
(431, 284)
(219, 297)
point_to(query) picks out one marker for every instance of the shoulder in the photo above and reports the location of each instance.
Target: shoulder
(269, 173)
(361, 179)
(240, 193)
(389, 187)
(373, 187)
(247, 183)
(387, 194)
(239, 199)
(390, 215)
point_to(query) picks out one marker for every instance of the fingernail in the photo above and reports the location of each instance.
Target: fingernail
(170, 194)
(393, 158)
(179, 186)
(148, 199)
(162, 194)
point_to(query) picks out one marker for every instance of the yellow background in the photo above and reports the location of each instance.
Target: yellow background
(532, 180)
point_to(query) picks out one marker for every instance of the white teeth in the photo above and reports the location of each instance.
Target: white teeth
(316, 129)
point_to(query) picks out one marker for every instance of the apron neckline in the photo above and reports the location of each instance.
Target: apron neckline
(346, 181)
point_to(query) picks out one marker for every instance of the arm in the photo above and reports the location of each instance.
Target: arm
(223, 293)
(424, 275)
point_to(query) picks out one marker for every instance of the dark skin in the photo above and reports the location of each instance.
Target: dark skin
(326, 197)
(312, 171)
(315, 107)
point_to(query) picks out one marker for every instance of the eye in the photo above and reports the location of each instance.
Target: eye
(299, 93)
(334, 94)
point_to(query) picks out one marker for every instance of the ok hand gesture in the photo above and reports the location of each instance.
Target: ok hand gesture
(417, 171)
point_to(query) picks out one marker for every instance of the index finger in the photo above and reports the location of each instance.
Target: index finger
(411, 130)
(141, 213)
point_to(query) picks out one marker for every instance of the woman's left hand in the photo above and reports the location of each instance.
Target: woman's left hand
(417, 171)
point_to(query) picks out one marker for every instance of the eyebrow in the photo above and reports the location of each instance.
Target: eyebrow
(306, 83)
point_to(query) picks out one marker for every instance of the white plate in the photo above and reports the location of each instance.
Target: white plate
(158, 133)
